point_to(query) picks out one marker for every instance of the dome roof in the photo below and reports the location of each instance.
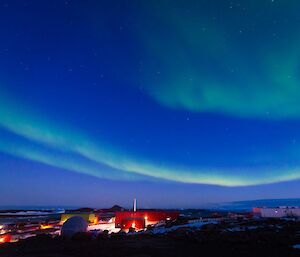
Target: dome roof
(74, 225)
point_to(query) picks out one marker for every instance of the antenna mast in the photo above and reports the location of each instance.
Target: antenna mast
(134, 204)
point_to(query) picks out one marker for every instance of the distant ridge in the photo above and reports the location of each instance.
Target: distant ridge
(248, 205)
(117, 208)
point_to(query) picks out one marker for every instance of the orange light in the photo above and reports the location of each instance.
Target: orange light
(146, 218)
(46, 226)
(5, 239)
(96, 221)
(133, 224)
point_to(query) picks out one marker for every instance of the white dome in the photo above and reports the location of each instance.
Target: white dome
(74, 225)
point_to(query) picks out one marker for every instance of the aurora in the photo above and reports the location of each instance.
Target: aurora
(208, 67)
(165, 94)
(65, 140)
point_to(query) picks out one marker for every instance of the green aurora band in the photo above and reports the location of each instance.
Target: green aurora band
(234, 65)
(65, 141)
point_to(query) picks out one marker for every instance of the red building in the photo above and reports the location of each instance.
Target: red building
(140, 219)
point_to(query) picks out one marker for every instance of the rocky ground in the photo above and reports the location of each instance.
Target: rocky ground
(228, 239)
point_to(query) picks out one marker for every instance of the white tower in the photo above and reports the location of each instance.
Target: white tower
(134, 204)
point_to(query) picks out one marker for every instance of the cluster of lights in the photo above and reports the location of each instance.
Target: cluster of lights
(2, 230)
(5, 239)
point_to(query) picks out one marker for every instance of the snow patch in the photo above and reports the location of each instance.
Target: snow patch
(163, 230)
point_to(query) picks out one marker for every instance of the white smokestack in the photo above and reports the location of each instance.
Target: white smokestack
(134, 204)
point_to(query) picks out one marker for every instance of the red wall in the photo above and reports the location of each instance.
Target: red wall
(134, 223)
(149, 216)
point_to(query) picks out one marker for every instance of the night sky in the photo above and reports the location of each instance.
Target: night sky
(177, 103)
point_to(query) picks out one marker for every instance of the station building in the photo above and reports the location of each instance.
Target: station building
(277, 212)
(142, 218)
(91, 218)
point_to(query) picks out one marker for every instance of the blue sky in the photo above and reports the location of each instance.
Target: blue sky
(102, 102)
